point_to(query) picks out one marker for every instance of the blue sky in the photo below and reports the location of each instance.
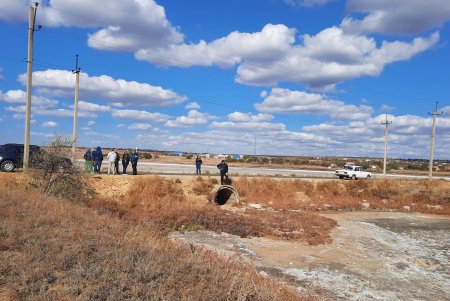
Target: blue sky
(301, 77)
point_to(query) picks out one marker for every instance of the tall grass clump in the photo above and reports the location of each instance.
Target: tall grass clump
(204, 187)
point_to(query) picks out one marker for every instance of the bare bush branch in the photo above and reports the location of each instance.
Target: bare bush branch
(54, 174)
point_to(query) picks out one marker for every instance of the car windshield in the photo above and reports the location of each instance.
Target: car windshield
(348, 167)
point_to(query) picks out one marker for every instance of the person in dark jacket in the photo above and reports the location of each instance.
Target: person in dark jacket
(116, 163)
(223, 167)
(198, 165)
(125, 161)
(134, 160)
(97, 158)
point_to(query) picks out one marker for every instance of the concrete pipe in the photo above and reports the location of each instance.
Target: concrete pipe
(226, 194)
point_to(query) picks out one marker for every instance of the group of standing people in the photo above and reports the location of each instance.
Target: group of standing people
(222, 166)
(94, 159)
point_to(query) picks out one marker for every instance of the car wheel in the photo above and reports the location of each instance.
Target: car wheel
(368, 177)
(353, 177)
(341, 177)
(7, 166)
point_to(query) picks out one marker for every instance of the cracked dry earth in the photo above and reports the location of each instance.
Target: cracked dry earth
(373, 256)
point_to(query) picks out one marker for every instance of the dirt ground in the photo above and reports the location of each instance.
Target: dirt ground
(373, 256)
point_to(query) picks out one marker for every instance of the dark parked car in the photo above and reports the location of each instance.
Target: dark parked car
(11, 156)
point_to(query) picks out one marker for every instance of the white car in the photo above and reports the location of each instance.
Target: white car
(353, 172)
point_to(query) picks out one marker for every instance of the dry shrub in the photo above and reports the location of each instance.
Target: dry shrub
(52, 250)
(54, 174)
(329, 190)
(203, 187)
(419, 195)
(267, 191)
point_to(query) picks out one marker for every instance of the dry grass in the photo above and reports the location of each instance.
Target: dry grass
(418, 196)
(54, 250)
(164, 203)
(204, 187)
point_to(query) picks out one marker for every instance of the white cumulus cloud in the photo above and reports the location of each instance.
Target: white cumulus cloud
(248, 117)
(140, 115)
(271, 42)
(298, 102)
(92, 107)
(116, 91)
(193, 118)
(51, 112)
(121, 25)
(238, 121)
(192, 106)
(49, 124)
(20, 97)
(331, 57)
(408, 17)
(140, 126)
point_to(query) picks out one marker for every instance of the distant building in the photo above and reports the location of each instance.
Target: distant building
(444, 167)
(175, 153)
(235, 156)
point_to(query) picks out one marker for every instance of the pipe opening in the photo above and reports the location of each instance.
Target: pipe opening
(226, 194)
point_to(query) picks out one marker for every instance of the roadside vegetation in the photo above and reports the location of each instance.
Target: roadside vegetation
(54, 174)
(163, 202)
(55, 250)
(373, 164)
(403, 195)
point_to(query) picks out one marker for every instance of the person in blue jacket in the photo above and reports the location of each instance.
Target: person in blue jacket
(125, 161)
(134, 160)
(97, 157)
(198, 165)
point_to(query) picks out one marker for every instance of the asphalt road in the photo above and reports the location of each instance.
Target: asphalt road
(181, 169)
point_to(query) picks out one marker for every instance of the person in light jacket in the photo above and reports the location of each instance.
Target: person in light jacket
(116, 163)
(111, 161)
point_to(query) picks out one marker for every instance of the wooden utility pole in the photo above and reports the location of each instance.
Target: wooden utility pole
(75, 109)
(433, 134)
(387, 124)
(31, 30)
